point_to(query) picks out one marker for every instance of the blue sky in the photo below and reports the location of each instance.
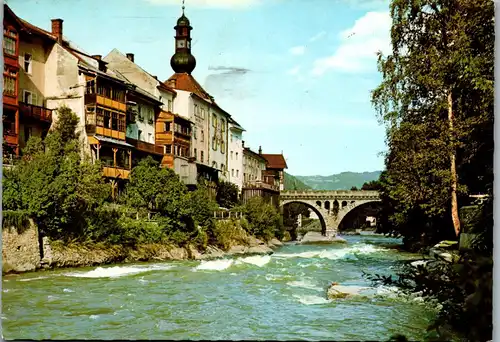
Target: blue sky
(296, 74)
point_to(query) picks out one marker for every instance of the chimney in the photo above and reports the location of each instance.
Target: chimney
(243, 143)
(130, 56)
(57, 29)
(260, 149)
(98, 57)
(171, 83)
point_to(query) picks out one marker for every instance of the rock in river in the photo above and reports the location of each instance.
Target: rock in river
(316, 237)
(336, 291)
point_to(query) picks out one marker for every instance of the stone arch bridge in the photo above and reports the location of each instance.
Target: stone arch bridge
(331, 206)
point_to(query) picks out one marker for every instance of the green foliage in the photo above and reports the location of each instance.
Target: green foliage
(293, 183)
(227, 194)
(229, 233)
(443, 57)
(264, 221)
(15, 218)
(291, 213)
(53, 184)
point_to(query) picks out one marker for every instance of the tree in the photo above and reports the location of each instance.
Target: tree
(227, 194)
(53, 184)
(435, 98)
(264, 221)
(354, 188)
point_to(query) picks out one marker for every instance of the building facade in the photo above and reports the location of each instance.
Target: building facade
(25, 112)
(235, 158)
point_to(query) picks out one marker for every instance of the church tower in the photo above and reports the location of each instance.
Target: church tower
(183, 61)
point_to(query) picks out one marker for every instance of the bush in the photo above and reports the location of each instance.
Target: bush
(227, 194)
(264, 221)
(229, 233)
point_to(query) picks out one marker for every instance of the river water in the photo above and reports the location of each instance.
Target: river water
(278, 297)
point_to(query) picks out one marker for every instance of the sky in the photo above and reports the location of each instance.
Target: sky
(296, 74)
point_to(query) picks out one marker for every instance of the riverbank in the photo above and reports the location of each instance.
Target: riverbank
(21, 252)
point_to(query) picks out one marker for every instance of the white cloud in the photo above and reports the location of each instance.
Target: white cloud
(208, 3)
(294, 70)
(359, 45)
(317, 36)
(298, 50)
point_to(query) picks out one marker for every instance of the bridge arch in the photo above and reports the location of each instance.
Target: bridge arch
(320, 212)
(340, 203)
(353, 206)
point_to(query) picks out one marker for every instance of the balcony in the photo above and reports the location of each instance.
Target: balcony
(260, 185)
(104, 101)
(145, 147)
(115, 172)
(35, 112)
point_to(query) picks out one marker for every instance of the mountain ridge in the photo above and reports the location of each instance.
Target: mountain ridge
(340, 181)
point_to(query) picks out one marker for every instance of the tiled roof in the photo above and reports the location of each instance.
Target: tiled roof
(30, 28)
(275, 161)
(187, 82)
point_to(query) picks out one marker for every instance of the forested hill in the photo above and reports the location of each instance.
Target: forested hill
(292, 183)
(341, 181)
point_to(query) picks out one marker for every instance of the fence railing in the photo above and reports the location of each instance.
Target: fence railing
(227, 215)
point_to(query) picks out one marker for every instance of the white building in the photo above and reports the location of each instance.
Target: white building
(235, 160)
(210, 132)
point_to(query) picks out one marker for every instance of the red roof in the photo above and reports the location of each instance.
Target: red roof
(275, 161)
(164, 86)
(29, 28)
(186, 82)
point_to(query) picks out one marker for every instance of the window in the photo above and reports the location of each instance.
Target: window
(100, 117)
(195, 154)
(29, 97)
(150, 137)
(169, 107)
(117, 95)
(27, 63)
(202, 160)
(195, 109)
(231, 155)
(203, 113)
(214, 143)
(139, 134)
(237, 173)
(167, 126)
(176, 150)
(236, 155)
(9, 42)
(202, 136)
(214, 120)
(114, 121)
(90, 88)
(9, 81)
(194, 131)
(167, 149)
(122, 126)
(232, 172)
(231, 138)
(107, 119)
(28, 132)
(223, 146)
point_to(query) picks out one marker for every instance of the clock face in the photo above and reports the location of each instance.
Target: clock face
(181, 43)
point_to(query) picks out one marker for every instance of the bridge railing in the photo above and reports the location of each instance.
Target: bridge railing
(330, 192)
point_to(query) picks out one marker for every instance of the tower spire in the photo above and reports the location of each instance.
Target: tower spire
(183, 61)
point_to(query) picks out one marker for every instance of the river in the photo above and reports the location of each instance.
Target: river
(278, 297)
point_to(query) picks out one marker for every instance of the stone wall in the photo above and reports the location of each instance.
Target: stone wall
(20, 251)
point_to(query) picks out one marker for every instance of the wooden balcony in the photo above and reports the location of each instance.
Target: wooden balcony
(115, 172)
(104, 101)
(35, 112)
(145, 147)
